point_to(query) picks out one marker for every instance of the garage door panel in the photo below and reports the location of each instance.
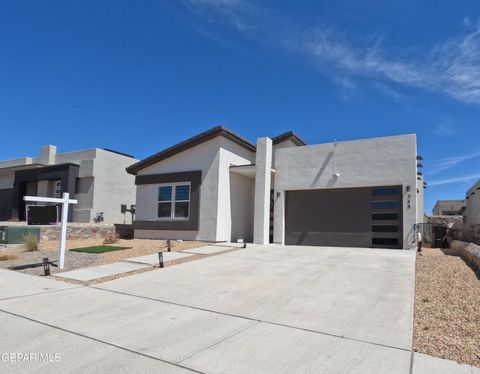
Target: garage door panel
(353, 217)
(329, 239)
(311, 210)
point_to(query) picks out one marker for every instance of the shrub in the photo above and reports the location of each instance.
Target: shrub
(5, 256)
(31, 242)
(111, 238)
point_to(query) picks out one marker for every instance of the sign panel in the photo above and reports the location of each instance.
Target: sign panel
(42, 214)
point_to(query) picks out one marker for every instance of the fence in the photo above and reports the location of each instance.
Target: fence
(433, 234)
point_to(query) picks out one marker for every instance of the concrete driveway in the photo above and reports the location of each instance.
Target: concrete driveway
(268, 309)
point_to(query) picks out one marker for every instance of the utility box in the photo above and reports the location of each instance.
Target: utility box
(15, 234)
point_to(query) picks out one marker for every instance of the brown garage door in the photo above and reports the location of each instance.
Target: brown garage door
(346, 217)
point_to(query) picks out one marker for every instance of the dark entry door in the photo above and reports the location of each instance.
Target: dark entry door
(346, 217)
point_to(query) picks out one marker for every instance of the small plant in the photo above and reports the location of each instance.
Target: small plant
(426, 328)
(426, 300)
(5, 256)
(111, 238)
(31, 242)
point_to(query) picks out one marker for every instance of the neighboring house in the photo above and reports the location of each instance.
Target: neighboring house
(448, 208)
(217, 187)
(95, 177)
(471, 214)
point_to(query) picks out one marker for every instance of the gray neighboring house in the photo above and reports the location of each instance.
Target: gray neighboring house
(472, 209)
(219, 187)
(95, 177)
(448, 208)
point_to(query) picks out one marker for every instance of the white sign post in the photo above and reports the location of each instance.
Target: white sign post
(65, 200)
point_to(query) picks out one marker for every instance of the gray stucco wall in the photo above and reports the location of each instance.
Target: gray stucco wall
(102, 184)
(242, 192)
(362, 163)
(213, 158)
(113, 186)
(442, 206)
(203, 157)
(472, 211)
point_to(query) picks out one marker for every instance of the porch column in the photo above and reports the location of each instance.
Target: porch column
(263, 166)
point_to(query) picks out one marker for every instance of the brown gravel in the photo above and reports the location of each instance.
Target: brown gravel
(77, 260)
(139, 247)
(447, 307)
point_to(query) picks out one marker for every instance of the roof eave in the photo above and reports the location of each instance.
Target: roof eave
(190, 143)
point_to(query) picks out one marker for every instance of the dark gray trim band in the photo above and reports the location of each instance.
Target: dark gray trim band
(195, 179)
(184, 176)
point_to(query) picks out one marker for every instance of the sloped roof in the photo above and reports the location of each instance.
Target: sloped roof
(289, 135)
(189, 143)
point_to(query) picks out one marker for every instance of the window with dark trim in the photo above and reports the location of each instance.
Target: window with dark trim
(385, 241)
(384, 216)
(385, 228)
(385, 191)
(385, 204)
(174, 201)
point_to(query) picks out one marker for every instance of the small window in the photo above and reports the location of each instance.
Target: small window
(174, 201)
(385, 204)
(385, 217)
(385, 241)
(385, 191)
(384, 228)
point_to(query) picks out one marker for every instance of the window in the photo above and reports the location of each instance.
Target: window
(384, 216)
(384, 228)
(385, 204)
(174, 201)
(385, 191)
(385, 241)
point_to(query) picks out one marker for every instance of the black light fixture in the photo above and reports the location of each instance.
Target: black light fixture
(419, 165)
(46, 266)
(160, 260)
(419, 158)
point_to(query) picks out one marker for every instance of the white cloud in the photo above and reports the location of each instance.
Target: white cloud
(450, 162)
(444, 131)
(468, 179)
(451, 67)
(347, 88)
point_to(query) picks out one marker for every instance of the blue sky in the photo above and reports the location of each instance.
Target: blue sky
(138, 76)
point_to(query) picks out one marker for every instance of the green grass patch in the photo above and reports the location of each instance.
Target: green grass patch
(99, 249)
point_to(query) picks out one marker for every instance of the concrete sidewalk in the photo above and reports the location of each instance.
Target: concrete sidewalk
(102, 271)
(130, 265)
(262, 310)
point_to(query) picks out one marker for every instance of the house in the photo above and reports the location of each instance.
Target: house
(95, 177)
(471, 214)
(217, 186)
(448, 208)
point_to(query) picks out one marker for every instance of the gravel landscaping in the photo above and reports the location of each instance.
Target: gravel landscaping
(76, 260)
(447, 307)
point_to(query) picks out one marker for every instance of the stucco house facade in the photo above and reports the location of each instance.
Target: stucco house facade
(217, 186)
(448, 208)
(472, 205)
(95, 177)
